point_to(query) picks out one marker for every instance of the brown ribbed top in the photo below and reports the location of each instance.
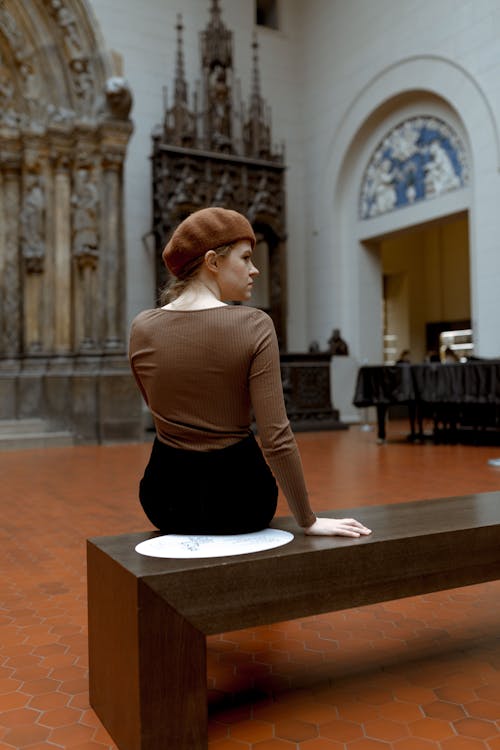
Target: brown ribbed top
(202, 372)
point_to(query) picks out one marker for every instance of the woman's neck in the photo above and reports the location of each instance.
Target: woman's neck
(197, 296)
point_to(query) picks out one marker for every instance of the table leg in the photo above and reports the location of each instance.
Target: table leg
(381, 412)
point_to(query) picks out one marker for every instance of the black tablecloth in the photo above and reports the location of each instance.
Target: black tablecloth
(384, 385)
(456, 396)
(434, 383)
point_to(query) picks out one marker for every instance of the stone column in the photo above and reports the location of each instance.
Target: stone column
(62, 250)
(3, 321)
(32, 220)
(86, 205)
(114, 136)
(112, 251)
(10, 159)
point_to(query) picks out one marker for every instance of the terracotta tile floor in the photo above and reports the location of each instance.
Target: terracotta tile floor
(416, 674)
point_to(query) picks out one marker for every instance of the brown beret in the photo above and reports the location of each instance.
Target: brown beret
(205, 230)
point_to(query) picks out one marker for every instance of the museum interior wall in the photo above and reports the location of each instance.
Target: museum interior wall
(83, 88)
(327, 74)
(360, 75)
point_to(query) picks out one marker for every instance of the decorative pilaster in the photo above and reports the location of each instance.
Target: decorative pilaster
(114, 291)
(114, 134)
(10, 159)
(85, 202)
(32, 221)
(61, 162)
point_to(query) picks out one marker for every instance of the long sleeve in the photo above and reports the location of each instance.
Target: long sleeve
(278, 443)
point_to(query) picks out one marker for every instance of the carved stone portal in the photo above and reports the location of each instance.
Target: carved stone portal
(64, 129)
(218, 152)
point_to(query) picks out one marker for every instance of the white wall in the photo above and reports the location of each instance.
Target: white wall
(333, 75)
(358, 57)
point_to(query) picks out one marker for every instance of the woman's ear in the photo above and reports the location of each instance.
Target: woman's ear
(211, 261)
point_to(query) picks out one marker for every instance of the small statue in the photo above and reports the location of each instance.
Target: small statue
(314, 347)
(32, 221)
(338, 346)
(85, 202)
(118, 98)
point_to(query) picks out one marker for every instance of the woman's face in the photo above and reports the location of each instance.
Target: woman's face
(236, 273)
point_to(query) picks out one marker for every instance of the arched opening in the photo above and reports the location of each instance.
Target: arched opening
(347, 277)
(384, 233)
(425, 287)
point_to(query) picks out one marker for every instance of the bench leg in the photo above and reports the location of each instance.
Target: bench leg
(173, 677)
(147, 664)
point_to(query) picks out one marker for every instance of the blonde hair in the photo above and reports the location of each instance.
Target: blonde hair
(176, 285)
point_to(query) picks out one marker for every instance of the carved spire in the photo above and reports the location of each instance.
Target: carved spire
(257, 131)
(216, 40)
(180, 122)
(181, 89)
(212, 123)
(217, 63)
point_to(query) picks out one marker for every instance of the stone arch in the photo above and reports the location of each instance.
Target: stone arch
(428, 85)
(56, 53)
(64, 129)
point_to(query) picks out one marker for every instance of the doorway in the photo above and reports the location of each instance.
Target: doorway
(426, 286)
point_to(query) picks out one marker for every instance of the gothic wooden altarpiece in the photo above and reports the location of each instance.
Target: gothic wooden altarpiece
(64, 129)
(219, 153)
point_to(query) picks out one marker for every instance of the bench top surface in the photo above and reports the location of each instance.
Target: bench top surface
(390, 523)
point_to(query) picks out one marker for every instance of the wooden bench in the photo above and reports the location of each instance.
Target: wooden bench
(149, 617)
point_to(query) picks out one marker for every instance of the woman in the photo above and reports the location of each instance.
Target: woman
(202, 367)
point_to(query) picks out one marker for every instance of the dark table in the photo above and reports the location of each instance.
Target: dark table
(455, 396)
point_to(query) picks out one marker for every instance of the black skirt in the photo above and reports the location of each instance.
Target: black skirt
(226, 491)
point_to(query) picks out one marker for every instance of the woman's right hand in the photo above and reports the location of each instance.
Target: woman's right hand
(337, 527)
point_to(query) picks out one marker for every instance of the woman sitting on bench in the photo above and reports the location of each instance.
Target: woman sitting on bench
(202, 366)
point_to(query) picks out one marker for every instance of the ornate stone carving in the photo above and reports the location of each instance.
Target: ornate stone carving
(68, 23)
(32, 223)
(11, 297)
(64, 129)
(60, 115)
(85, 202)
(180, 123)
(75, 53)
(83, 82)
(187, 187)
(219, 156)
(306, 388)
(216, 43)
(22, 54)
(118, 98)
(420, 158)
(257, 128)
(266, 199)
(6, 88)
